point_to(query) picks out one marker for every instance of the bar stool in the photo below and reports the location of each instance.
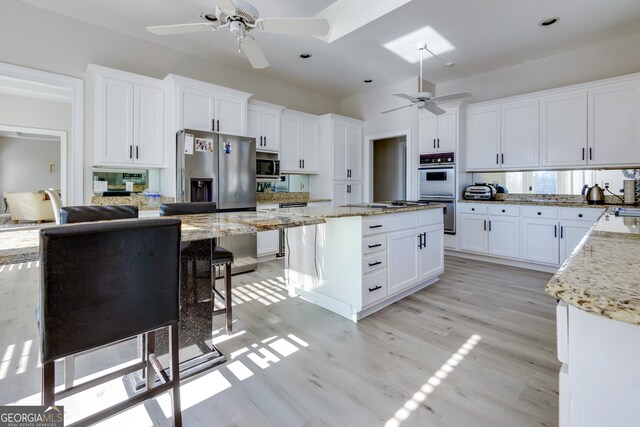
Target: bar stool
(103, 283)
(219, 257)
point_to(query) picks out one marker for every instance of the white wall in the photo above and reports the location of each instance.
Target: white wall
(24, 164)
(368, 106)
(597, 61)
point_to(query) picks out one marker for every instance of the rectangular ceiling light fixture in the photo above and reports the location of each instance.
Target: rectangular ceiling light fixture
(407, 46)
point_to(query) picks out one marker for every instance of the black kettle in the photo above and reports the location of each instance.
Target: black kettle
(594, 195)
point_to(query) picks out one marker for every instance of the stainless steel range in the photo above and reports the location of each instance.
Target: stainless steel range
(437, 183)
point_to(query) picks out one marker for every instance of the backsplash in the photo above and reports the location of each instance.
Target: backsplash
(142, 202)
(281, 197)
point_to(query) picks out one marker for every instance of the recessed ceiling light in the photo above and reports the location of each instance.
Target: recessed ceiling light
(449, 64)
(368, 81)
(209, 17)
(548, 21)
(305, 55)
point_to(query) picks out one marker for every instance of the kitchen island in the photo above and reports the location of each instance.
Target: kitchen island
(363, 258)
(598, 325)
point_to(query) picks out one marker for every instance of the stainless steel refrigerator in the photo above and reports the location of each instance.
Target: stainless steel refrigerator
(213, 167)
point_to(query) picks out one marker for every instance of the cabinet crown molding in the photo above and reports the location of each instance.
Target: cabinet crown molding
(263, 104)
(333, 116)
(94, 70)
(177, 79)
(560, 90)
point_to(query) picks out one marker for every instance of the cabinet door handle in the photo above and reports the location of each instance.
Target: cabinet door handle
(485, 225)
(583, 154)
(260, 141)
(131, 151)
(434, 143)
(377, 245)
(218, 123)
(438, 142)
(213, 125)
(590, 153)
(502, 158)
(302, 163)
(375, 226)
(375, 288)
(562, 231)
(497, 159)
(424, 239)
(489, 225)
(265, 141)
(555, 231)
(419, 241)
(137, 147)
(299, 163)
(371, 264)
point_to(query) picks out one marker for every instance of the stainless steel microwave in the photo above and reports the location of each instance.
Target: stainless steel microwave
(267, 168)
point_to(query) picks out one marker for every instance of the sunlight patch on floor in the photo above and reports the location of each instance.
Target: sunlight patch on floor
(427, 388)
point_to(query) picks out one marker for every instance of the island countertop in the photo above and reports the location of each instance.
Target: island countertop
(22, 244)
(602, 276)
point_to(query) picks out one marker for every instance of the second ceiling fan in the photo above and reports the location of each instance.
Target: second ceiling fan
(242, 18)
(426, 100)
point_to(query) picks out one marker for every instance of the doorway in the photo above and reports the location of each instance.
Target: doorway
(390, 169)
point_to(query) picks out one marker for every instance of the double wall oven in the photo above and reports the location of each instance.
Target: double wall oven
(437, 183)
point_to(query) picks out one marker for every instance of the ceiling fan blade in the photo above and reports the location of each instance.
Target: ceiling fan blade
(405, 96)
(434, 108)
(452, 96)
(399, 108)
(253, 52)
(303, 26)
(226, 5)
(164, 30)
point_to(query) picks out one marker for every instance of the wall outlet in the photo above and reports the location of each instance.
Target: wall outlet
(605, 184)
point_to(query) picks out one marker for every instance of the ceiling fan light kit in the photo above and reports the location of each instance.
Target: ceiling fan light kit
(426, 100)
(241, 18)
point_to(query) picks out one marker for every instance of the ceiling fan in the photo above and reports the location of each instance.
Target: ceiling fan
(426, 100)
(241, 18)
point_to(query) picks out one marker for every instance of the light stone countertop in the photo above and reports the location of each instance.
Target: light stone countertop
(602, 275)
(22, 244)
(542, 202)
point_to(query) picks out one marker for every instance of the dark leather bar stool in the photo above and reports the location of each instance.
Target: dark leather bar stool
(86, 303)
(219, 256)
(74, 214)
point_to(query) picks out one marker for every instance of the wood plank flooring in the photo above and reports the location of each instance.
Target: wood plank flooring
(475, 349)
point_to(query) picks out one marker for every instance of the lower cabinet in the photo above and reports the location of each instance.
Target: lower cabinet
(268, 243)
(404, 263)
(538, 234)
(431, 255)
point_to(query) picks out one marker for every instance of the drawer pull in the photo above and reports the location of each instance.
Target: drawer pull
(539, 213)
(473, 209)
(377, 245)
(375, 288)
(503, 211)
(579, 215)
(371, 264)
(375, 226)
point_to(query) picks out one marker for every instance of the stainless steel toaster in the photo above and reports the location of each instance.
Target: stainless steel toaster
(479, 192)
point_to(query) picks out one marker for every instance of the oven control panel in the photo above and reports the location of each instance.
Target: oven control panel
(437, 159)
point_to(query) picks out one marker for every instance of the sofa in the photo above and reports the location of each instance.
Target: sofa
(27, 206)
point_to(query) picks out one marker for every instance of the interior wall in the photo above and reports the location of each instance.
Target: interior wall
(597, 61)
(24, 164)
(389, 169)
(48, 41)
(368, 106)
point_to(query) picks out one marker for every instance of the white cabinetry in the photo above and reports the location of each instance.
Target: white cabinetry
(563, 130)
(504, 136)
(490, 229)
(614, 125)
(347, 150)
(438, 134)
(128, 118)
(346, 193)
(540, 240)
(299, 152)
(263, 123)
(208, 107)
(268, 242)
(403, 259)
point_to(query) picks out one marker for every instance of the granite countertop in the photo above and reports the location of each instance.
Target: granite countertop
(348, 211)
(22, 245)
(274, 198)
(557, 203)
(559, 200)
(139, 200)
(602, 275)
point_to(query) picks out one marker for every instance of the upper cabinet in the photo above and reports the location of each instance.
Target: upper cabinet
(595, 124)
(128, 118)
(347, 150)
(614, 125)
(563, 130)
(438, 134)
(264, 125)
(299, 151)
(208, 107)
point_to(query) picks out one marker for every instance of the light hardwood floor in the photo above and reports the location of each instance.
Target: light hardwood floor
(475, 349)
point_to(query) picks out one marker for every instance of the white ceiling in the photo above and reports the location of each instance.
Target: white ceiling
(487, 35)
